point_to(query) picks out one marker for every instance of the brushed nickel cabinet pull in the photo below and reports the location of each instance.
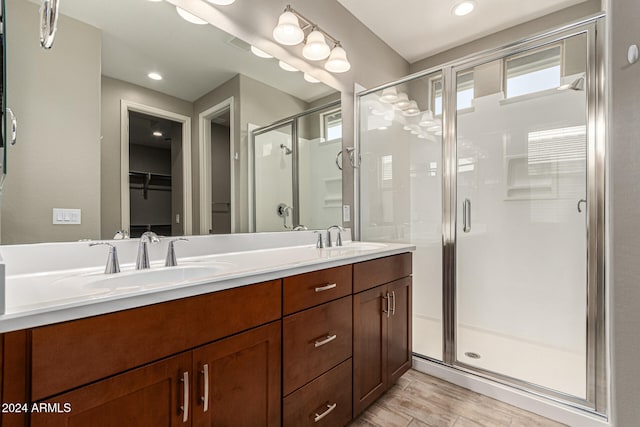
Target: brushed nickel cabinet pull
(205, 398)
(393, 306)
(185, 397)
(327, 340)
(326, 287)
(330, 407)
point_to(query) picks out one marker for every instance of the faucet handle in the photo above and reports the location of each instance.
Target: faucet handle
(112, 259)
(319, 244)
(171, 260)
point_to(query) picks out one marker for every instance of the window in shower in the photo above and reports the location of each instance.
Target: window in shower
(533, 71)
(464, 97)
(331, 125)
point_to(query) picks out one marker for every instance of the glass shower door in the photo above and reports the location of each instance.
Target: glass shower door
(521, 222)
(273, 152)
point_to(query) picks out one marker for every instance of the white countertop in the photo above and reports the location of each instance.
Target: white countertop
(45, 295)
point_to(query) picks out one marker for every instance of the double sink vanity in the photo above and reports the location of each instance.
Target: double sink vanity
(246, 330)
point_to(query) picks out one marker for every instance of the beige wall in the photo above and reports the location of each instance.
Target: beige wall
(624, 158)
(113, 92)
(56, 163)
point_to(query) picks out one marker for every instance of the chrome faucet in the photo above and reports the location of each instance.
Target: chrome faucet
(338, 239)
(112, 260)
(171, 260)
(142, 261)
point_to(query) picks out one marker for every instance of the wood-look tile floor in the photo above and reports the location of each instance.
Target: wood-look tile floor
(419, 400)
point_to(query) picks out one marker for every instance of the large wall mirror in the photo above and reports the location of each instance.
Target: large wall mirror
(104, 144)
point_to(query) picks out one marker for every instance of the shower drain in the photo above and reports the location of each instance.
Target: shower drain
(472, 355)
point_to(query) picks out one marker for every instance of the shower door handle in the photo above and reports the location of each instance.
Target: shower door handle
(466, 216)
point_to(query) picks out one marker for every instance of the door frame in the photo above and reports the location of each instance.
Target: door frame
(125, 107)
(204, 148)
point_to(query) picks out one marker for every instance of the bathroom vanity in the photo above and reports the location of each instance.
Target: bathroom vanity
(311, 339)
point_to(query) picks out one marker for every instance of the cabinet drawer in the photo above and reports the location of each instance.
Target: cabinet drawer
(316, 340)
(328, 395)
(71, 354)
(311, 289)
(369, 274)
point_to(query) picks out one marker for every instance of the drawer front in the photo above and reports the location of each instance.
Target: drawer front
(72, 354)
(315, 341)
(311, 289)
(369, 274)
(327, 399)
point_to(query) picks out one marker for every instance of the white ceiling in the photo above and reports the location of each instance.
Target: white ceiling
(142, 36)
(417, 29)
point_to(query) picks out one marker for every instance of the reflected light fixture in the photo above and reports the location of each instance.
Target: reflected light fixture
(389, 95)
(289, 32)
(427, 119)
(221, 2)
(463, 8)
(402, 102)
(190, 17)
(260, 53)
(411, 110)
(287, 67)
(157, 133)
(154, 76)
(310, 78)
(316, 47)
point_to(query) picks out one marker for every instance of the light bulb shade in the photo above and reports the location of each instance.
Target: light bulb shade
(337, 62)
(190, 17)
(288, 31)
(221, 2)
(402, 102)
(286, 66)
(260, 53)
(310, 78)
(427, 119)
(411, 110)
(389, 95)
(316, 47)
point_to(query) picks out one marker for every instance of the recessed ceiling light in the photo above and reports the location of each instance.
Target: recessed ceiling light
(221, 2)
(286, 66)
(260, 53)
(154, 76)
(190, 17)
(157, 133)
(464, 7)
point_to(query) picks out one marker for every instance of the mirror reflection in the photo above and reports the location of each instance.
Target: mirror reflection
(137, 119)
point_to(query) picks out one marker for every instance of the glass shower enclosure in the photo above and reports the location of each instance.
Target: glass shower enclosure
(492, 166)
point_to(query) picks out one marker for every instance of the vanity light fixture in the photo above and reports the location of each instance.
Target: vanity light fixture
(287, 67)
(289, 32)
(316, 47)
(154, 76)
(463, 8)
(310, 78)
(427, 119)
(190, 17)
(260, 53)
(157, 133)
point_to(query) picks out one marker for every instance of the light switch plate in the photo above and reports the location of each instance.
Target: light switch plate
(63, 216)
(346, 213)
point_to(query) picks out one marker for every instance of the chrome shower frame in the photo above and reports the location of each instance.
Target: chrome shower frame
(593, 27)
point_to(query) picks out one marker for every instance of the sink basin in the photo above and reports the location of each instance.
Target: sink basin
(358, 246)
(154, 277)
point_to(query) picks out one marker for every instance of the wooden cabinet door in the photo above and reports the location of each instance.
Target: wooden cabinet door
(238, 380)
(399, 329)
(369, 347)
(153, 395)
